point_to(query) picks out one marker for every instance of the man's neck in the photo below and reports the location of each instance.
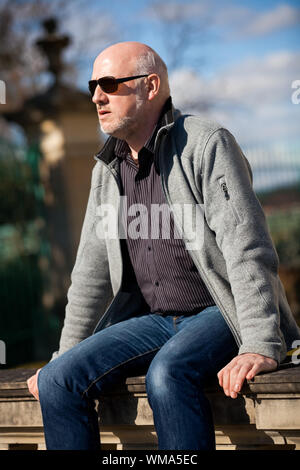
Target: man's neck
(136, 140)
(139, 136)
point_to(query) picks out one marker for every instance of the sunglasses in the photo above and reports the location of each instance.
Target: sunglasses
(110, 84)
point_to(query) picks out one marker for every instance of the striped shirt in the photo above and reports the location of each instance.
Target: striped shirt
(164, 270)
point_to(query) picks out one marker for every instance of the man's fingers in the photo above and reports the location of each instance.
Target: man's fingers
(220, 377)
(265, 365)
(240, 378)
(36, 390)
(244, 366)
(29, 383)
(32, 385)
(233, 378)
(253, 371)
(225, 371)
(226, 381)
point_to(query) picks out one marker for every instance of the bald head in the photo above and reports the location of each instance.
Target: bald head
(134, 58)
(131, 111)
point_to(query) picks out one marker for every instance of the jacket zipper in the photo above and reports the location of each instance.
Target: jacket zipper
(207, 283)
(105, 314)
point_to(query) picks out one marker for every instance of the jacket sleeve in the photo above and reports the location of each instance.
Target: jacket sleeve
(90, 290)
(234, 213)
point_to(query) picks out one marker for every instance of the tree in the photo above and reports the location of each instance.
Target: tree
(184, 27)
(22, 64)
(185, 30)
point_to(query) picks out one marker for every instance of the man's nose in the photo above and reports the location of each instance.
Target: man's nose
(99, 96)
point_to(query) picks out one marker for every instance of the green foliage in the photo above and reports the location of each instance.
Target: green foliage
(22, 245)
(21, 220)
(285, 231)
(17, 199)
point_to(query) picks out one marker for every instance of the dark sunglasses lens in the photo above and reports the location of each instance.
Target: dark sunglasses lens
(108, 84)
(92, 86)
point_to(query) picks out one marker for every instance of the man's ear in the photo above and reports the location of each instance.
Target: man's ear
(153, 85)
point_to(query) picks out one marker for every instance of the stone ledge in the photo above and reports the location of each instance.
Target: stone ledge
(266, 414)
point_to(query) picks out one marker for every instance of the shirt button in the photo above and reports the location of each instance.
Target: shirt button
(156, 283)
(149, 248)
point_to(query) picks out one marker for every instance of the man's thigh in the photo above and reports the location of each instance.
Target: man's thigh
(201, 346)
(105, 358)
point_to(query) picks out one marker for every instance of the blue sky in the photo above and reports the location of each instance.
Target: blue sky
(242, 70)
(223, 46)
(231, 61)
(237, 67)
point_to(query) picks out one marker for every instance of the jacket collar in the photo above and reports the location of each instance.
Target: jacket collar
(165, 122)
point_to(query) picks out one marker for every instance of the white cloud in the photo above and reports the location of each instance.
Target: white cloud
(280, 17)
(235, 20)
(253, 97)
(242, 22)
(171, 11)
(261, 80)
(233, 16)
(190, 90)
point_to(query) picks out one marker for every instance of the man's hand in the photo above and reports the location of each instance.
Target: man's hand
(244, 366)
(32, 385)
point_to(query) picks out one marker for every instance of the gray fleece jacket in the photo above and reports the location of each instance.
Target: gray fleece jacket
(201, 166)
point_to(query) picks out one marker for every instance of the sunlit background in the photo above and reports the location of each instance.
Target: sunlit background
(235, 62)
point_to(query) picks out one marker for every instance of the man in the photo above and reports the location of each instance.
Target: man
(179, 309)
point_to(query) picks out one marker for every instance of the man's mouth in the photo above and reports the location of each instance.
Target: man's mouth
(101, 112)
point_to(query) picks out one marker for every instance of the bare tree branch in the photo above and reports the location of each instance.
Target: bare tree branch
(184, 26)
(22, 64)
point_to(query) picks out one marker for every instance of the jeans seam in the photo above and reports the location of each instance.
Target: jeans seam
(115, 367)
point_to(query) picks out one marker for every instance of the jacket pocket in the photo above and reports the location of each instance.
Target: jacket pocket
(227, 195)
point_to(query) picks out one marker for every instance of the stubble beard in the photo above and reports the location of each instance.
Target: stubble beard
(125, 126)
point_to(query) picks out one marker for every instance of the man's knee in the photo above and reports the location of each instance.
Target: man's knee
(45, 383)
(160, 377)
(168, 374)
(54, 377)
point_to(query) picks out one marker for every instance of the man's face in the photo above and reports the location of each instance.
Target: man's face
(120, 112)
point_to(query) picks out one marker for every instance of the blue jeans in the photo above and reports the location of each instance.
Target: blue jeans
(177, 354)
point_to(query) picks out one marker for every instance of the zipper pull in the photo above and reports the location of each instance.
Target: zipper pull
(224, 188)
